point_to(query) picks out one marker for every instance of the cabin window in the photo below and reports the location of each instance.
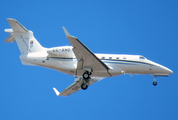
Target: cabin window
(110, 57)
(124, 57)
(103, 57)
(56, 50)
(68, 49)
(62, 49)
(117, 58)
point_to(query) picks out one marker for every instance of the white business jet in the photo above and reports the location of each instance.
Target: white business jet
(78, 60)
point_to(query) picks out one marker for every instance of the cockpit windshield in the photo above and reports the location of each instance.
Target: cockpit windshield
(142, 58)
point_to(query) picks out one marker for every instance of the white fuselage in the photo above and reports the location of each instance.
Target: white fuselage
(63, 59)
(78, 60)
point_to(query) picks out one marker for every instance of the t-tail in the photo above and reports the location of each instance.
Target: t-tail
(24, 38)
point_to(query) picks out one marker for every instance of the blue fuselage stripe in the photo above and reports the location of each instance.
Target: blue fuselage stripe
(111, 61)
(127, 62)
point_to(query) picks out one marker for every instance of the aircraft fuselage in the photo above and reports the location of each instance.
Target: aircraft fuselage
(118, 63)
(78, 60)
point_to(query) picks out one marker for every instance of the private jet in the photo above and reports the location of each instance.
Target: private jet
(77, 60)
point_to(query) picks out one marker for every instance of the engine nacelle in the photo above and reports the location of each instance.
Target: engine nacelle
(64, 51)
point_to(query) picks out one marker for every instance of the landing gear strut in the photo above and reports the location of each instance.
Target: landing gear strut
(86, 77)
(154, 81)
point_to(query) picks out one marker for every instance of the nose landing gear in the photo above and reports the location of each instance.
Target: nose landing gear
(154, 81)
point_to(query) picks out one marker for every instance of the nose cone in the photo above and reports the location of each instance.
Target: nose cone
(160, 69)
(166, 70)
(169, 71)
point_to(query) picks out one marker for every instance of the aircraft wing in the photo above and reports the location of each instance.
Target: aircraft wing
(76, 86)
(85, 57)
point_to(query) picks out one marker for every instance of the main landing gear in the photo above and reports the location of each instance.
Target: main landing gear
(86, 77)
(154, 81)
(84, 86)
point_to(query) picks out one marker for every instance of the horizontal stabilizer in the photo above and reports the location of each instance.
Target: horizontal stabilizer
(9, 39)
(56, 91)
(16, 26)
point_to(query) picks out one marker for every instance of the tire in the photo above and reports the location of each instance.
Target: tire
(86, 75)
(84, 86)
(154, 83)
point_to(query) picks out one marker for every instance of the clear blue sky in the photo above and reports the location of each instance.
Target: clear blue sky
(144, 27)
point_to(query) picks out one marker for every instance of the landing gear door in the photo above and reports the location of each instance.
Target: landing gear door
(79, 58)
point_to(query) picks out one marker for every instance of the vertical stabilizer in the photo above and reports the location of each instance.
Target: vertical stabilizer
(24, 38)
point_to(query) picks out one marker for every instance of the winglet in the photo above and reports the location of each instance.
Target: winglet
(66, 32)
(56, 91)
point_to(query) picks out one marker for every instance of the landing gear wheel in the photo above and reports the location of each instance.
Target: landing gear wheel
(86, 75)
(154, 83)
(84, 86)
